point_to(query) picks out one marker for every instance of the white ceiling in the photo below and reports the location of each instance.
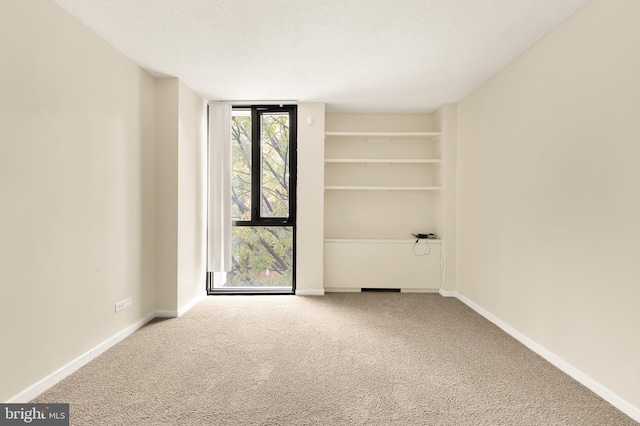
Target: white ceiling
(354, 55)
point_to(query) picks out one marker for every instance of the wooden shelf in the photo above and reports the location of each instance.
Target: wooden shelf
(383, 160)
(383, 188)
(385, 134)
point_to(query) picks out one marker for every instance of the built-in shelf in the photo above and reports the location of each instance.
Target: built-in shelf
(383, 160)
(379, 188)
(382, 188)
(380, 240)
(385, 134)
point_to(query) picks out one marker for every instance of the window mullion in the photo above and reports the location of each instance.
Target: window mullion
(257, 165)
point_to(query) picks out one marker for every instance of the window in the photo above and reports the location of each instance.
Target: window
(263, 201)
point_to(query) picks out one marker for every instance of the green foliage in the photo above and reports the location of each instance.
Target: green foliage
(275, 162)
(241, 168)
(262, 257)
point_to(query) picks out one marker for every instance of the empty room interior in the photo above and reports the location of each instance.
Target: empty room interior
(321, 212)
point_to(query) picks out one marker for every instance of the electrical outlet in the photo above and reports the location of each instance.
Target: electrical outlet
(125, 303)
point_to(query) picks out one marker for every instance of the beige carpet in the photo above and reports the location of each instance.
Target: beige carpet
(342, 359)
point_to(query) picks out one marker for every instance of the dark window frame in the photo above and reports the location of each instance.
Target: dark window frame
(256, 170)
(256, 166)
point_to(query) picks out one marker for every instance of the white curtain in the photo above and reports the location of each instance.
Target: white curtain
(219, 238)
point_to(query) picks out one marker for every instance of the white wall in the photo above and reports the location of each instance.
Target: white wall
(310, 199)
(446, 121)
(192, 175)
(180, 195)
(548, 196)
(77, 191)
(167, 194)
(102, 170)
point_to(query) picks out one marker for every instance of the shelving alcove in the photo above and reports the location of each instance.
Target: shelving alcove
(380, 187)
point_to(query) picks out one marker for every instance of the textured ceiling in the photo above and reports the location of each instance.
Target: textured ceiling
(354, 55)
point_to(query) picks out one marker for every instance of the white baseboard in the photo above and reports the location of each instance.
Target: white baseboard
(342, 290)
(602, 391)
(187, 306)
(446, 293)
(36, 389)
(165, 314)
(55, 377)
(162, 313)
(313, 292)
(418, 290)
